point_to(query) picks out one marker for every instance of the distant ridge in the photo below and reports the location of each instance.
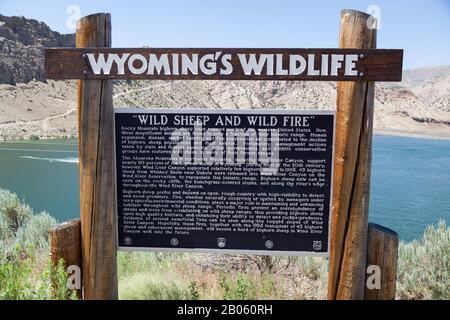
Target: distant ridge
(418, 76)
(419, 105)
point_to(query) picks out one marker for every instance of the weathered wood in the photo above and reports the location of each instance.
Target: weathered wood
(372, 64)
(382, 251)
(96, 153)
(65, 243)
(354, 122)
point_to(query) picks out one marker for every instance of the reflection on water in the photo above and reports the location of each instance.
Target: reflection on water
(68, 160)
(44, 174)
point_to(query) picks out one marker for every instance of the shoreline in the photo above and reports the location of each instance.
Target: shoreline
(412, 134)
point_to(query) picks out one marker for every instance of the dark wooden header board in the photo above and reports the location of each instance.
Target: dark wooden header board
(224, 64)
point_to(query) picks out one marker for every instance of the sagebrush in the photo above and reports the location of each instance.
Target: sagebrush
(25, 271)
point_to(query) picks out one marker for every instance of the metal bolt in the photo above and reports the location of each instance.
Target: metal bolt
(84, 55)
(84, 72)
(361, 56)
(361, 74)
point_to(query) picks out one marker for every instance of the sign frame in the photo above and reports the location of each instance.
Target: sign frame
(131, 110)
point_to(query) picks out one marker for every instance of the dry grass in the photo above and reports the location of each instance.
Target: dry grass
(220, 276)
(423, 273)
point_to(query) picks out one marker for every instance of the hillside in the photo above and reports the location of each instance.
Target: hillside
(48, 110)
(420, 105)
(22, 43)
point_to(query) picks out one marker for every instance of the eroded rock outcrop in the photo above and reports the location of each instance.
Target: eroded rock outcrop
(22, 43)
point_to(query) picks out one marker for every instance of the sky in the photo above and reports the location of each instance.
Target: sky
(421, 28)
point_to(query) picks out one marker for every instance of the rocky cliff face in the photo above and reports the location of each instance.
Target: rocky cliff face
(22, 43)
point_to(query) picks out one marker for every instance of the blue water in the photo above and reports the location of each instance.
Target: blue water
(44, 174)
(410, 186)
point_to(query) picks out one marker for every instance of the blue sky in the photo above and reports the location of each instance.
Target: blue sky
(421, 28)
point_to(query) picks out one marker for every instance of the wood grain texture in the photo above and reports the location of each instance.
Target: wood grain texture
(97, 185)
(382, 251)
(354, 121)
(65, 243)
(376, 65)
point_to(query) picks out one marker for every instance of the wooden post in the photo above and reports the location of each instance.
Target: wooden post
(97, 186)
(354, 121)
(382, 251)
(65, 243)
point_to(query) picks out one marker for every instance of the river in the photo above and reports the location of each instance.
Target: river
(410, 187)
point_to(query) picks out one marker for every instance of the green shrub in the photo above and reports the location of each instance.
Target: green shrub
(424, 265)
(35, 232)
(54, 282)
(18, 225)
(12, 211)
(268, 287)
(15, 277)
(20, 280)
(26, 271)
(245, 289)
(240, 287)
(193, 291)
(225, 285)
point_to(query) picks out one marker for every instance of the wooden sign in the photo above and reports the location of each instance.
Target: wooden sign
(224, 64)
(170, 205)
(228, 181)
